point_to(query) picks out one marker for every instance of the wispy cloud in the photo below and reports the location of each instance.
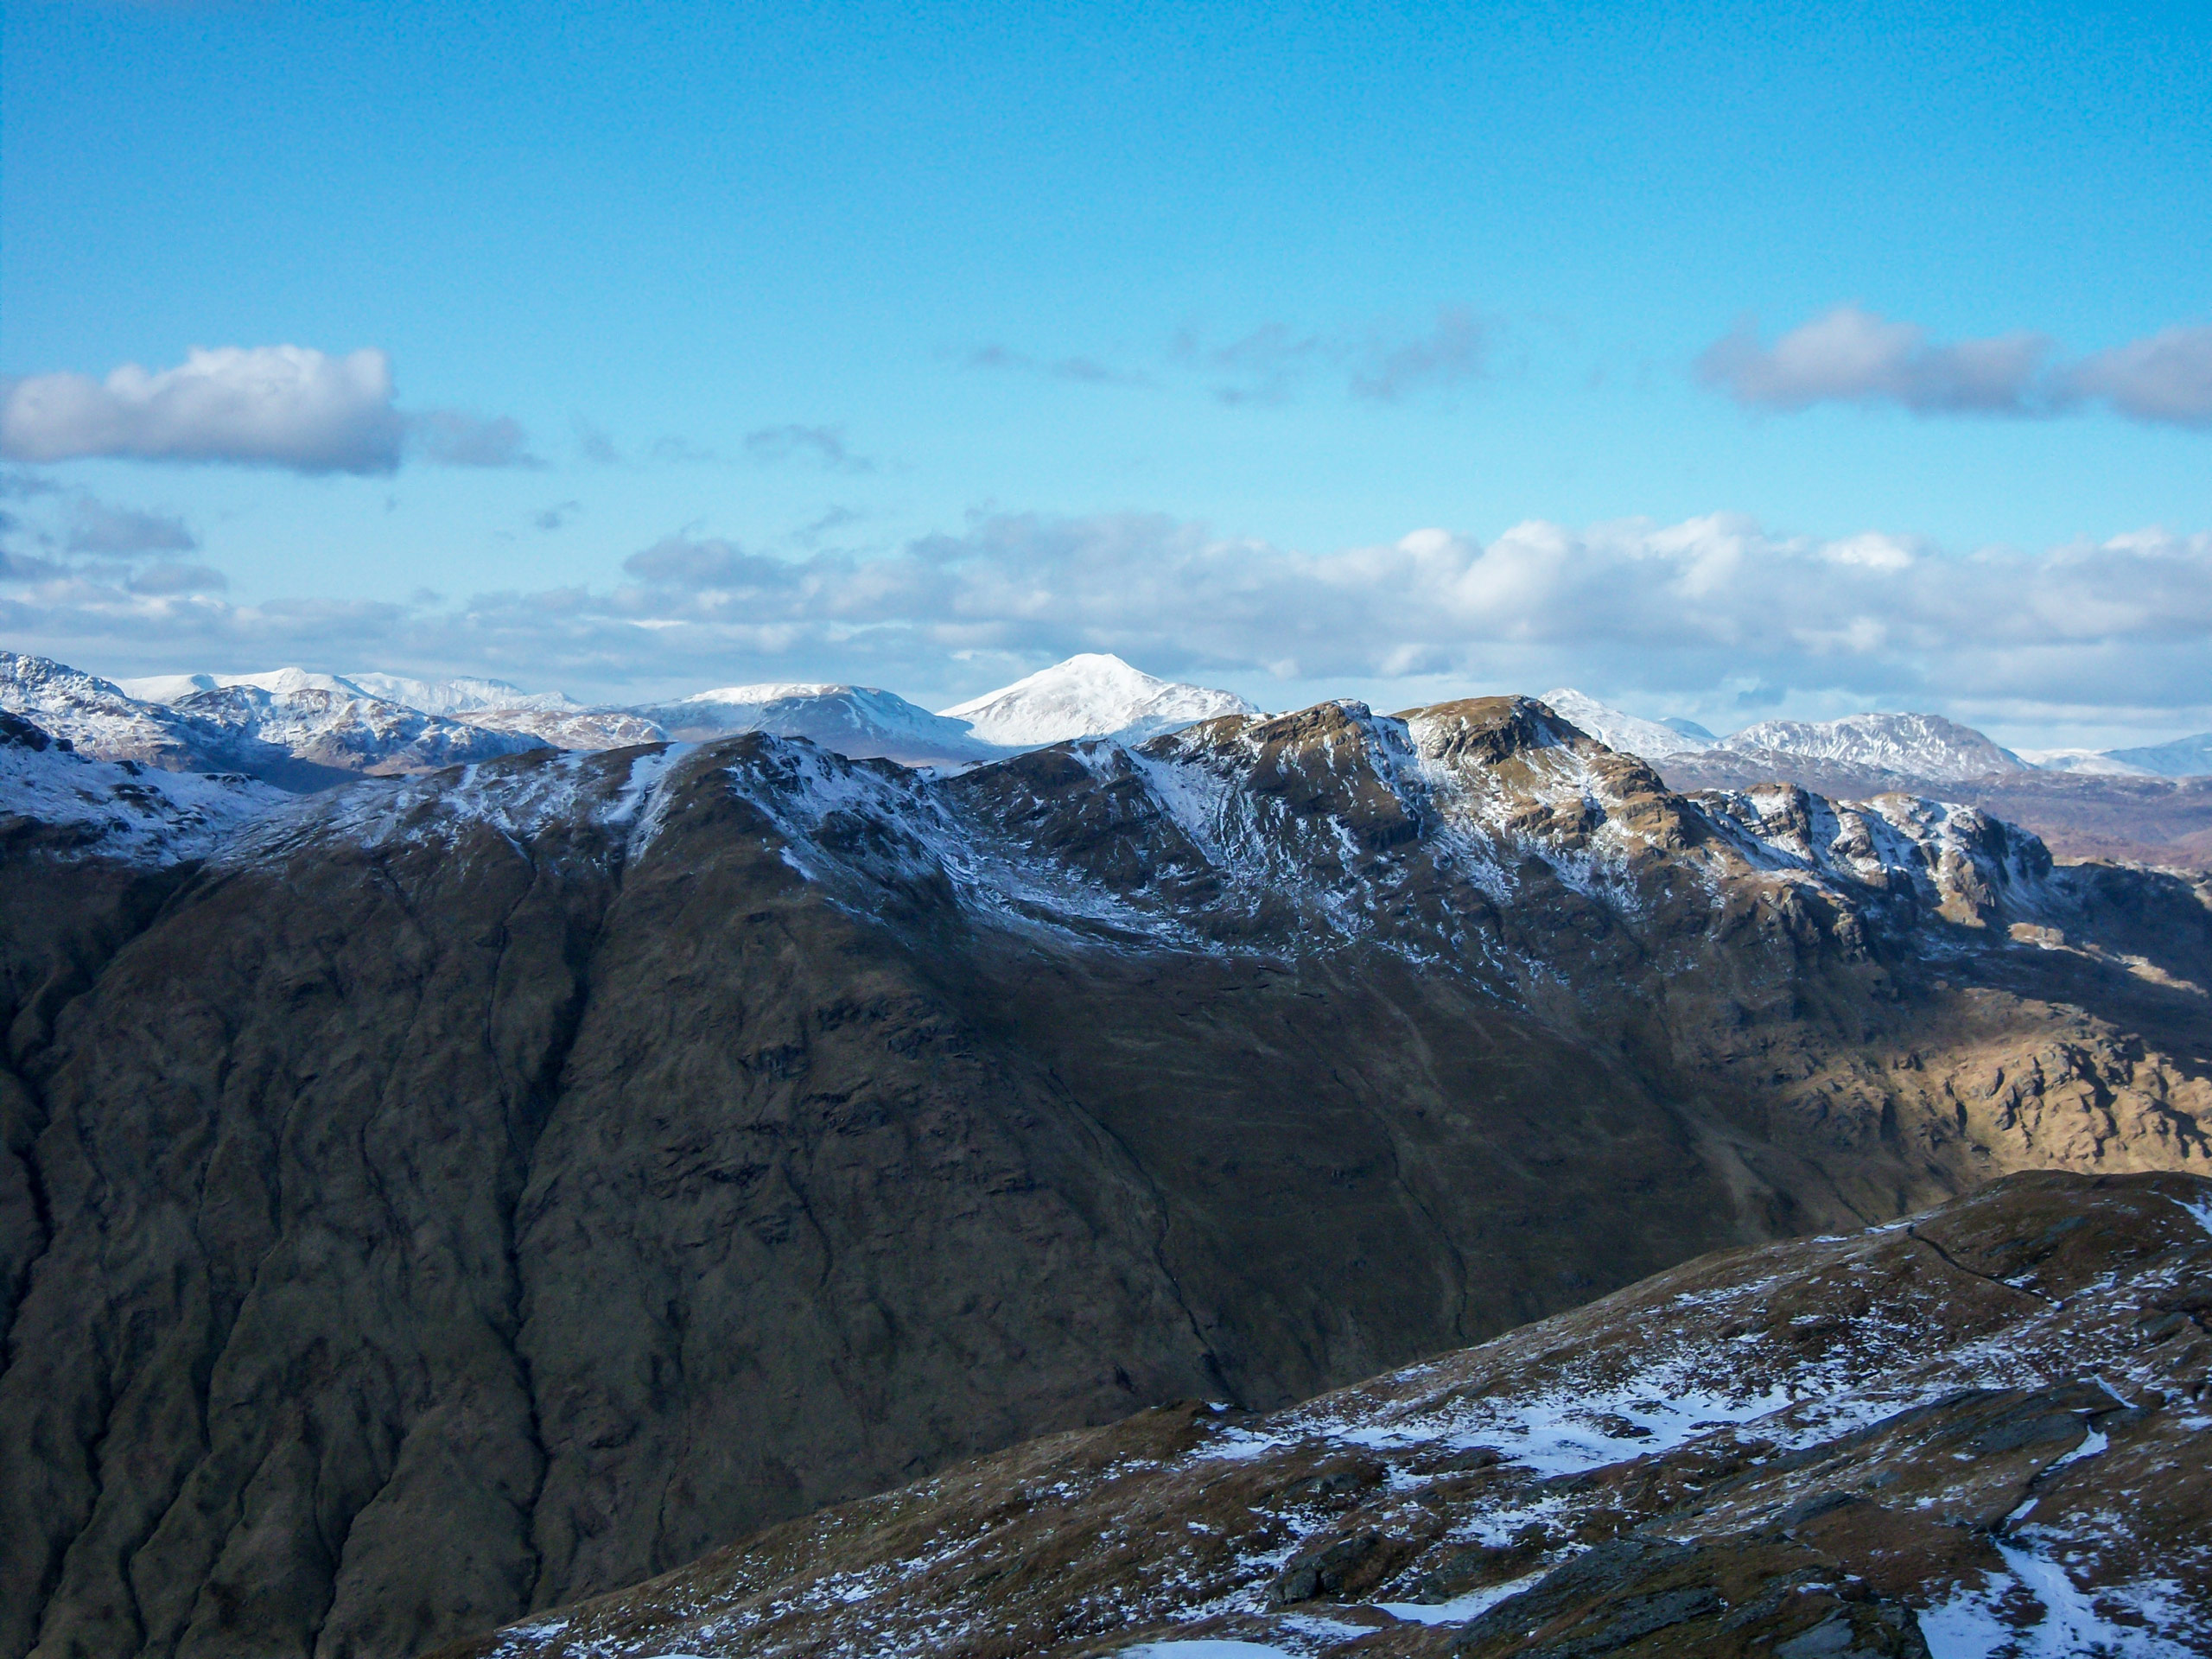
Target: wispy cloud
(169, 580)
(1850, 354)
(557, 516)
(2166, 377)
(122, 532)
(452, 438)
(1083, 371)
(594, 446)
(1380, 363)
(671, 447)
(823, 445)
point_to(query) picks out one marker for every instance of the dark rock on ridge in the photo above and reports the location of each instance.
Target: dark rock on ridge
(465, 1194)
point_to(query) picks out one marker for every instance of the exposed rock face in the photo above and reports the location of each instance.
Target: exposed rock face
(1980, 1433)
(468, 1192)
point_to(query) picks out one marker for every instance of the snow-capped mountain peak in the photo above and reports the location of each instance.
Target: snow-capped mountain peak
(2185, 757)
(1625, 734)
(1092, 695)
(860, 721)
(1916, 746)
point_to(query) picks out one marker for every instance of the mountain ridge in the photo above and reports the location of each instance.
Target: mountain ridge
(1942, 1436)
(537, 1171)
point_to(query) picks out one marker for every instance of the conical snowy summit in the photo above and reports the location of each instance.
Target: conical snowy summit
(1092, 695)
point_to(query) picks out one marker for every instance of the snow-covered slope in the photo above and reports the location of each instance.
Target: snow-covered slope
(1093, 694)
(2185, 757)
(347, 729)
(101, 719)
(1915, 746)
(1626, 733)
(859, 721)
(461, 696)
(171, 687)
(2091, 763)
(328, 724)
(119, 809)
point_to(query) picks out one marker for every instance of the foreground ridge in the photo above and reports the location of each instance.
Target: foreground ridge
(1984, 1431)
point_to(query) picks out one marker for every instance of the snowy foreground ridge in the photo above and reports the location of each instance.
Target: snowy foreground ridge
(1979, 1433)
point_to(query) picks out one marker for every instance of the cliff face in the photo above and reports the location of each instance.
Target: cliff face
(460, 1195)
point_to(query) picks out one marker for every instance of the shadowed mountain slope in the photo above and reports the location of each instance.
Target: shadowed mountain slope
(1981, 1434)
(464, 1194)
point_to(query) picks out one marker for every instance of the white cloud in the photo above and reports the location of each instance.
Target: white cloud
(2106, 630)
(1851, 355)
(2166, 377)
(97, 528)
(453, 438)
(268, 405)
(1381, 363)
(287, 406)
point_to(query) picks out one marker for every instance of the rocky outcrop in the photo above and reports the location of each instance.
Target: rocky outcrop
(455, 1195)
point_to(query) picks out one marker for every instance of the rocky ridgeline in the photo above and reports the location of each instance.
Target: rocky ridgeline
(1982, 1433)
(448, 1196)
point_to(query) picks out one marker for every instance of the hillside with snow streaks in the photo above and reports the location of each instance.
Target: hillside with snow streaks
(1091, 694)
(1975, 1434)
(1915, 746)
(71, 806)
(461, 696)
(103, 719)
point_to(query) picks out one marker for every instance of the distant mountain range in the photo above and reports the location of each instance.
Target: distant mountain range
(1925, 746)
(305, 731)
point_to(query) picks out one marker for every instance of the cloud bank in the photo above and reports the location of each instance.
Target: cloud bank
(2118, 631)
(1851, 355)
(285, 406)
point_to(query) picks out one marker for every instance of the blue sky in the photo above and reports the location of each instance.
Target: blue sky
(911, 301)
